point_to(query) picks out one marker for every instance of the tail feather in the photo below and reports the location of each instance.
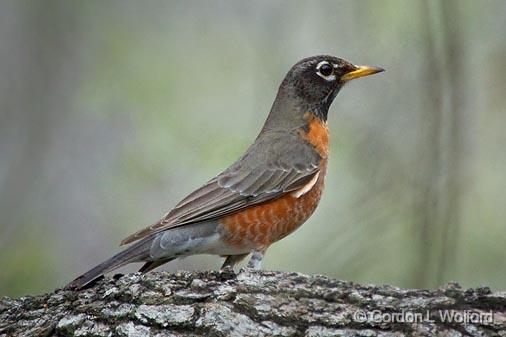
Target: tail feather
(134, 253)
(157, 249)
(148, 266)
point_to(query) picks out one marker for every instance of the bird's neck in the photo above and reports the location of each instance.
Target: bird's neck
(288, 112)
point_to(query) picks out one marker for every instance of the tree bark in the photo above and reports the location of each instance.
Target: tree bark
(253, 303)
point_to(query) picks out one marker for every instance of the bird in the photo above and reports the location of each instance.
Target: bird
(269, 192)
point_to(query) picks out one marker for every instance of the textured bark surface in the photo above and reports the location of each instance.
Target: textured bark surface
(251, 303)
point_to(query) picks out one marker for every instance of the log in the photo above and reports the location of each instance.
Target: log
(253, 303)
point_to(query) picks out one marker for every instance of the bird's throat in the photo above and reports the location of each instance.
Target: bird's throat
(321, 112)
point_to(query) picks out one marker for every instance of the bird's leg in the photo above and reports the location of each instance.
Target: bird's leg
(232, 260)
(256, 259)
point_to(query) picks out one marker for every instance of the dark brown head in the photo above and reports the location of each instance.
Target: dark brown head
(311, 85)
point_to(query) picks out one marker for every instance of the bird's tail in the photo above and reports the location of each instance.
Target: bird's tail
(134, 253)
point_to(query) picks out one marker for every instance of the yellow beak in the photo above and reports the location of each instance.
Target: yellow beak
(361, 71)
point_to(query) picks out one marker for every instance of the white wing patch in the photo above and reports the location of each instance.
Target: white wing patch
(306, 188)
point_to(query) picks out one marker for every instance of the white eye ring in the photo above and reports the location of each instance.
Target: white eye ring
(329, 78)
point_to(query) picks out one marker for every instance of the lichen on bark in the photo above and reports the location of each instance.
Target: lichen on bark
(250, 303)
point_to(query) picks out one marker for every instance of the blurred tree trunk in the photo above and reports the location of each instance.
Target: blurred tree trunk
(429, 150)
(438, 207)
(455, 79)
(36, 53)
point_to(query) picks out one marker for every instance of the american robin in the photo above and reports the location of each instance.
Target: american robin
(270, 191)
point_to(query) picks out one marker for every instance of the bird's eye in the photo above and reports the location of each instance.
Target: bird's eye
(325, 70)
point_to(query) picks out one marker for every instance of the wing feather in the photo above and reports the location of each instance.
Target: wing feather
(277, 163)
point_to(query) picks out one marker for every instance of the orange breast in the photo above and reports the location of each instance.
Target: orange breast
(317, 134)
(259, 226)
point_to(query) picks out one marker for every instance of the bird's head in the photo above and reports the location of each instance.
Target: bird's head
(313, 83)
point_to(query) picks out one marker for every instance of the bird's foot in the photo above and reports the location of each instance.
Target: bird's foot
(256, 259)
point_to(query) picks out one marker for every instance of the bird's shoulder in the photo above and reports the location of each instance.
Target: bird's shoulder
(280, 150)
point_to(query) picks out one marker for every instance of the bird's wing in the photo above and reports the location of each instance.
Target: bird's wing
(276, 164)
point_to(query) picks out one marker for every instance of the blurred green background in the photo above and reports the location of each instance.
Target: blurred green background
(113, 111)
